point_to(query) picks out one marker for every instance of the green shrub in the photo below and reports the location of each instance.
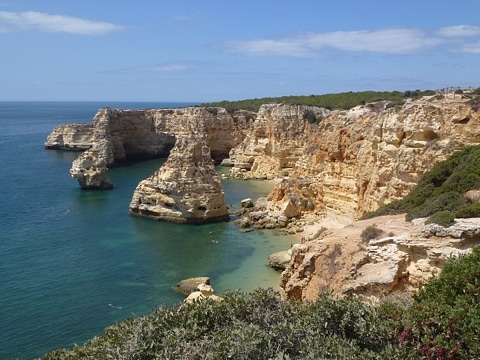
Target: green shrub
(444, 321)
(370, 232)
(346, 100)
(443, 218)
(310, 116)
(442, 188)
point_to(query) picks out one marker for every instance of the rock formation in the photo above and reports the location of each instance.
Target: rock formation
(91, 166)
(279, 260)
(403, 258)
(187, 286)
(75, 137)
(203, 292)
(186, 189)
(355, 160)
(274, 143)
(342, 165)
(129, 135)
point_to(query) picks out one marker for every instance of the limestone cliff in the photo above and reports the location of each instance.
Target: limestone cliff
(274, 143)
(357, 160)
(186, 189)
(75, 137)
(91, 166)
(127, 135)
(405, 256)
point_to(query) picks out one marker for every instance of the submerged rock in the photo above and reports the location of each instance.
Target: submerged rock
(280, 259)
(187, 286)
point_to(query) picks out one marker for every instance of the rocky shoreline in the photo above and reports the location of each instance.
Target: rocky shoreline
(334, 170)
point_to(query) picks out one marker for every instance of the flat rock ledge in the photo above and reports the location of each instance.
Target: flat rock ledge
(71, 137)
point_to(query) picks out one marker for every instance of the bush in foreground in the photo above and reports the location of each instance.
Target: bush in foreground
(442, 323)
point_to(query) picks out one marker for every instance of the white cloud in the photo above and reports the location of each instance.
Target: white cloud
(166, 67)
(459, 31)
(169, 67)
(31, 20)
(389, 41)
(473, 48)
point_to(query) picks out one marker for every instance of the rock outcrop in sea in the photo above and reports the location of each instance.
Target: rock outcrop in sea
(122, 136)
(186, 189)
(74, 137)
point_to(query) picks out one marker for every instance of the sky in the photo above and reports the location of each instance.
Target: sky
(212, 50)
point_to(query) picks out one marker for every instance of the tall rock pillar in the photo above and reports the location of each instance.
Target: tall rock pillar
(186, 189)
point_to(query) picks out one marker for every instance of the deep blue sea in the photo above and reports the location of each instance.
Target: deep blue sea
(66, 253)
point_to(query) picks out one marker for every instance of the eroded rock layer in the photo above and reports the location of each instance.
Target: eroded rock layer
(274, 143)
(405, 256)
(127, 135)
(75, 137)
(357, 160)
(186, 189)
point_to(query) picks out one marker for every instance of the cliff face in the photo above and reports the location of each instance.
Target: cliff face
(405, 256)
(357, 160)
(274, 143)
(186, 189)
(126, 135)
(75, 137)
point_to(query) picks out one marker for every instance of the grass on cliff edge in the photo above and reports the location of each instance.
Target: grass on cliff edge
(442, 323)
(441, 190)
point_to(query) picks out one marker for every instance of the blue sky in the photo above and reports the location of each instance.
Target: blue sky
(194, 50)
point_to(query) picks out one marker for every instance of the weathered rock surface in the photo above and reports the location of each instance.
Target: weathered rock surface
(279, 260)
(187, 286)
(354, 161)
(91, 166)
(405, 257)
(186, 189)
(274, 143)
(203, 292)
(74, 137)
(128, 135)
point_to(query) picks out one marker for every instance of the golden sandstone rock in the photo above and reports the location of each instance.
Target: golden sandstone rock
(351, 162)
(186, 189)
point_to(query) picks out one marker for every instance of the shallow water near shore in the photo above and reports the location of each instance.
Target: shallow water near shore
(66, 254)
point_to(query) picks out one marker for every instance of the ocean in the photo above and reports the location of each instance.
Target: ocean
(67, 253)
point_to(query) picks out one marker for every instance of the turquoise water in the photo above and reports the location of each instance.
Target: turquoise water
(66, 253)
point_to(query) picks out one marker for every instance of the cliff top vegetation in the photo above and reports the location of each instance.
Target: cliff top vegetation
(345, 100)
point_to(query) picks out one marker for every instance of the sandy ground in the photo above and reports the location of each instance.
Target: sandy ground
(395, 224)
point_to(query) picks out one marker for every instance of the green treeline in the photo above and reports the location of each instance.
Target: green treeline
(441, 322)
(345, 100)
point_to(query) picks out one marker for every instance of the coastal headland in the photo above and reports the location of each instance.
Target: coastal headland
(332, 165)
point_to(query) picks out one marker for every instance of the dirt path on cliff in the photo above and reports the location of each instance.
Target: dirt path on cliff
(394, 224)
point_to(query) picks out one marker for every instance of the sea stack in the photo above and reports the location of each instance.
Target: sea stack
(186, 189)
(90, 167)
